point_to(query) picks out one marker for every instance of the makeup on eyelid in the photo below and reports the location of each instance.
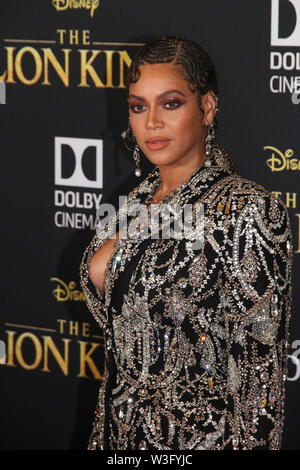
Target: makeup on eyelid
(169, 102)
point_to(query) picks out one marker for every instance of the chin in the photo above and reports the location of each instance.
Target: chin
(160, 159)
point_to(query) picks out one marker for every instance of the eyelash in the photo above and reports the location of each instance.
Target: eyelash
(178, 104)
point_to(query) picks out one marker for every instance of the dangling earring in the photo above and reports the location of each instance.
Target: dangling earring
(137, 158)
(136, 151)
(209, 142)
(210, 138)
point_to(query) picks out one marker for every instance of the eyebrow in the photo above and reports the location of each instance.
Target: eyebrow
(139, 98)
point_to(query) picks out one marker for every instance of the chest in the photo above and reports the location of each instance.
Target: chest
(160, 268)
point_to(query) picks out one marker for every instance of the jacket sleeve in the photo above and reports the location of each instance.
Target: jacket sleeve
(94, 298)
(257, 288)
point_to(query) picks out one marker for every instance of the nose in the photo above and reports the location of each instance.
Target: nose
(154, 120)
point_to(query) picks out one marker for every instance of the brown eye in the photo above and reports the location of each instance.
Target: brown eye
(172, 104)
(137, 108)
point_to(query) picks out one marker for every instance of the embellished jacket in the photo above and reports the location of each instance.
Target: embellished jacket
(196, 340)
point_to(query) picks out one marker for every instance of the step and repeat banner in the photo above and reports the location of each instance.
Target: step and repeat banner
(63, 65)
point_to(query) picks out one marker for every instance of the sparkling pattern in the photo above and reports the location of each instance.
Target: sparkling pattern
(196, 341)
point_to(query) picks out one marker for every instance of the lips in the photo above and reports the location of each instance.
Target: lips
(157, 143)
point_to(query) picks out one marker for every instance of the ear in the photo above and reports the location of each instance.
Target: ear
(208, 105)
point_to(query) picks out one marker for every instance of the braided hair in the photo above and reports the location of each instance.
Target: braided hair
(196, 65)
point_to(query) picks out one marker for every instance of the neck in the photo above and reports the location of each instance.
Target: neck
(173, 176)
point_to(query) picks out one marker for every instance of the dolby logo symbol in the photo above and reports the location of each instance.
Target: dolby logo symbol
(79, 162)
(285, 11)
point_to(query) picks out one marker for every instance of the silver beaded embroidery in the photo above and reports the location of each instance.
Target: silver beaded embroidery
(199, 343)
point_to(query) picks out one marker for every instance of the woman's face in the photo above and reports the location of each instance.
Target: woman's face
(164, 114)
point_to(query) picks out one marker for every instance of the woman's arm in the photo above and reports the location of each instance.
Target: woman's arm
(257, 288)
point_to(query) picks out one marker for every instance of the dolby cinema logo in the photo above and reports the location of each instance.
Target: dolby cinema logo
(78, 181)
(285, 48)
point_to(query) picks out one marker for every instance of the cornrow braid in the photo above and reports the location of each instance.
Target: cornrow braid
(196, 65)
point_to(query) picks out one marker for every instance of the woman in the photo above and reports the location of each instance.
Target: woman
(196, 337)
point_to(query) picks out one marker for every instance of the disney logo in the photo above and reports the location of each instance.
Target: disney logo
(282, 161)
(64, 292)
(91, 5)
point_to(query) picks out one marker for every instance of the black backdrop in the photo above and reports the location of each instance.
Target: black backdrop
(63, 67)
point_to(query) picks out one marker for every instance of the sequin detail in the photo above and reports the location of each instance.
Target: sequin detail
(196, 351)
